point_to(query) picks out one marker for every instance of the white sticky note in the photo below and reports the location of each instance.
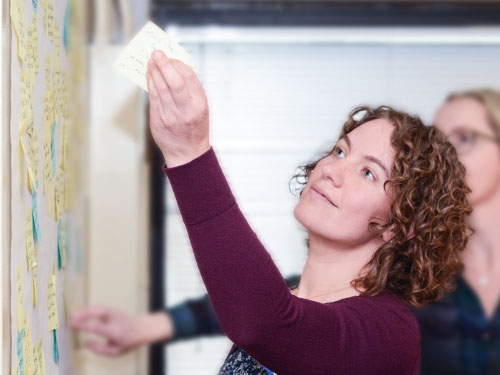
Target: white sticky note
(133, 61)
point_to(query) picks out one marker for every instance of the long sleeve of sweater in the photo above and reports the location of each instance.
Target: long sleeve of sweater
(289, 335)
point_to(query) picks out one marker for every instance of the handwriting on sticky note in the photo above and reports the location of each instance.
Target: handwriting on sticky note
(30, 244)
(52, 304)
(59, 193)
(19, 289)
(134, 59)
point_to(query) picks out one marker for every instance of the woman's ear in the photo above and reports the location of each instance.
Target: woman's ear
(388, 234)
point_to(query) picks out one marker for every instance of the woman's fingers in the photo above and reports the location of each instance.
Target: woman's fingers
(191, 81)
(160, 95)
(174, 81)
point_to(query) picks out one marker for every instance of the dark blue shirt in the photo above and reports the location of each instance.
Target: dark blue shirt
(457, 337)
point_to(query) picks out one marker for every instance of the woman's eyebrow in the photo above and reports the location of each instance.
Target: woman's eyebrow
(369, 158)
(379, 163)
(346, 139)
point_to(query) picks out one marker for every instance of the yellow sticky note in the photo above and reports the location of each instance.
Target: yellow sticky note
(26, 95)
(27, 331)
(49, 80)
(59, 193)
(28, 350)
(64, 141)
(48, 115)
(57, 47)
(24, 319)
(47, 159)
(26, 144)
(21, 47)
(35, 153)
(36, 58)
(61, 94)
(17, 20)
(36, 359)
(35, 286)
(133, 61)
(64, 256)
(52, 304)
(41, 360)
(29, 61)
(19, 298)
(50, 20)
(30, 242)
(58, 105)
(44, 4)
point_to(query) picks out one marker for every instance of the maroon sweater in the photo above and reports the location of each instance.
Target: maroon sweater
(287, 334)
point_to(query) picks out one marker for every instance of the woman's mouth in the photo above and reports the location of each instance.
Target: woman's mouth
(318, 194)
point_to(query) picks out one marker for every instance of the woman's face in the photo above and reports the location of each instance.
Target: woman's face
(465, 122)
(345, 191)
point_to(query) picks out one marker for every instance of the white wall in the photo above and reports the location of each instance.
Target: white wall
(278, 96)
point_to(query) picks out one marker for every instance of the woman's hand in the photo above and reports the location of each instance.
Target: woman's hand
(119, 332)
(178, 110)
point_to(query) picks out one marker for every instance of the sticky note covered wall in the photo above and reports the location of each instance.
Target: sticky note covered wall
(48, 180)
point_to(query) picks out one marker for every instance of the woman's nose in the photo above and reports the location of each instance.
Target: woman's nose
(334, 171)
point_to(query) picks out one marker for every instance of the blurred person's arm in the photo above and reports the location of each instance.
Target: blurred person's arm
(120, 332)
(193, 318)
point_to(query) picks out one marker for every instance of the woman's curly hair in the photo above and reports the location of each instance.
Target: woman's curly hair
(428, 213)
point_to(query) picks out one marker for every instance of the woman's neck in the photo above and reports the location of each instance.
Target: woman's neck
(486, 238)
(328, 272)
(482, 254)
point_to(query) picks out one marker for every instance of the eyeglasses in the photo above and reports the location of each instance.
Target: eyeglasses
(463, 139)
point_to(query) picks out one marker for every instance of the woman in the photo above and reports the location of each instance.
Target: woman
(385, 214)
(461, 332)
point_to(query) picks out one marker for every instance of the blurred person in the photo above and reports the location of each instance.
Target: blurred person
(461, 332)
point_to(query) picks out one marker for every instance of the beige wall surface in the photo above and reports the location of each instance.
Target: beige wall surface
(118, 202)
(118, 191)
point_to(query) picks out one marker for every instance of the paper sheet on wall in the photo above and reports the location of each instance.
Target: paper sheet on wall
(133, 61)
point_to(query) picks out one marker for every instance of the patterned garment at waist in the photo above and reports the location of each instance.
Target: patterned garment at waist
(241, 363)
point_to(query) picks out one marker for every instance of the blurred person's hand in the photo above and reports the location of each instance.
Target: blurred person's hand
(119, 332)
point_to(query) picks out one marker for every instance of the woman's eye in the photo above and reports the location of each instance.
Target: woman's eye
(465, 138)
(338, 152)
(369, 174)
